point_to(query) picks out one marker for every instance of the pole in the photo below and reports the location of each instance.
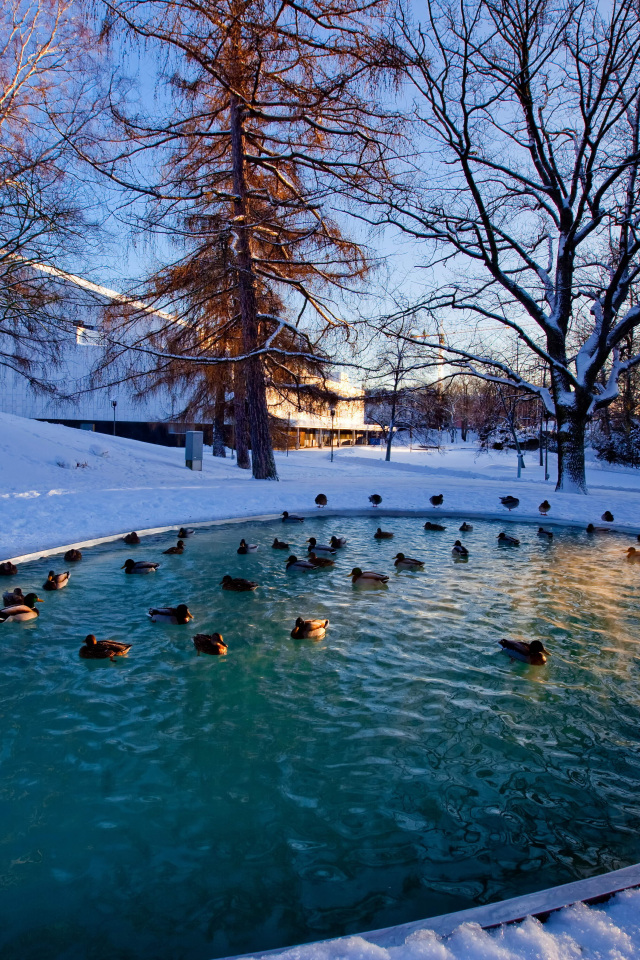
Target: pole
(333, 413)
(114, 404)
(288, 429)
(546, 452)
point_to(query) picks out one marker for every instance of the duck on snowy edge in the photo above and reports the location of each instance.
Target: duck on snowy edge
(294, 564)
(367, 576)
(375, 499)
(139, 566)
(179, 614)
(466, 527)
(103, 649)
(309, 629)
(8, 569)
(437, 500)
(533, 653)
(131, 538)
(608, 516)
(321, 501)
(409, 563)
(211, 643)
(25, 610)
(458, 550)
(319, 547)
(179, 548)
(184, 532)
(509, 502)
(291, 517)
(237, 584)
(56, 581)
(279, 545)
(544, 507)
(247, 547)
(72, 556)
(511, 541)
(337, 542)
(382, 534)
(434, 526)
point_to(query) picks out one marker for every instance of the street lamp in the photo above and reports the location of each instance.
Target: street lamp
(332, 411)
(114, 404)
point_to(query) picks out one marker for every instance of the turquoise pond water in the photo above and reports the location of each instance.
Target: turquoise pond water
(173, 806)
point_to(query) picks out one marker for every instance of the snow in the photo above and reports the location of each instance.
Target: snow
(61, 486)
(578, 932)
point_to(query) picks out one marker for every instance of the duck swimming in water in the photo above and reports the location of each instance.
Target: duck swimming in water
(279, 545)
(633, 556)
(72, 556)
(179, 548)
(184, 532)
(12, 597)
(211, 643)
(103, 649)
(321, 500)
(237, 584)
(294, 564)
(375, 499)
(247, 547)
(337, 542)
(510, 541)
(466, 527)
(368, 577)
(309, 629)
(319, 547)
(179, 614)
(458, 550)
(533, 653)
(407, 563)
(321, 561)
(434, 526)
(132, 538)
(16, 613)
(8, 569)
(382, 534)
(139, 566)
(545, 534)
(56, 581)
(291, 517)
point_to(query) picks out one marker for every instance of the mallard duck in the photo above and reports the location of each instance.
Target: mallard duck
(608, 516)
(139, 566)
(375, 499)
(458, 550)
(279, 545)
(433, 526)
(337, 542)
(533, 652)
(466, 527)
(132, 538)
(12, 597)
(408, 563)
(544, 507)
(72, 556)
(179, 614)
(179, 548)
(103, 649)
(237, 584)
(56, 581)
(592, 529)
(547, 534)
(367, 576)
(294, 564)
(511, 541)
(8, 569)
(321, 561)
(319, 547)
(184, 532)
(437, 500)
(321, 500)
(309, 629)
(632, 554)
(291, 518)
(211, 643)
(382, 534)
(247, 547)
(509, 502)
(21, 611)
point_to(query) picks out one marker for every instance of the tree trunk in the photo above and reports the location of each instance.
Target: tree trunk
(262, 459)
(571, 428)
(240, 417)
(389, 442)
(218, 423)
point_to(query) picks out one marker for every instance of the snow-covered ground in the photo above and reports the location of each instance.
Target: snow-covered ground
(47, 500)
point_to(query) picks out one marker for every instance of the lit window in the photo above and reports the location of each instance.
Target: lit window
(88, 337)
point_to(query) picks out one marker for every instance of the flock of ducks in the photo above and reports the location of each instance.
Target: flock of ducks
(19, 607)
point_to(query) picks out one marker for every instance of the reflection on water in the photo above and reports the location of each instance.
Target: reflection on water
(175, 806)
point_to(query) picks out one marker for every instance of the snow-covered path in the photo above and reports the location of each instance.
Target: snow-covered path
(47, 501)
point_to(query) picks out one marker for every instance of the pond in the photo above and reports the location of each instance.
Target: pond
(166, 805)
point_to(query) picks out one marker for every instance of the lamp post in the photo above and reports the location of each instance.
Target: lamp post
(332, 411)
(114, 404)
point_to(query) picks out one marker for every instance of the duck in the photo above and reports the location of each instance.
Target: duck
(408, 563)
(56, 581)
(237, 584)
(291, 517)
(179, 548)
(294, 564)
(309, 629)
(12, 597)
(592, 529)
(633, 556)
(139, 566)
(72, 556)
(321, 500)
(511, 541)
(436, 500)
(458, 550)
(367, 576)
(533, 653)
(608, 516)
(279, 545)
(375, 499)
(382, 534)
(103, 649)
(8, 569)
(545, 533)
(337, 542)
(247, 547)
(319, 547)
(211, 643)
(179, 614)
(321, 561)
(434, 526)
(466, 527)
(544, 507)
(509, 502)
(14, 613)
(184, 532)
(132, 538)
